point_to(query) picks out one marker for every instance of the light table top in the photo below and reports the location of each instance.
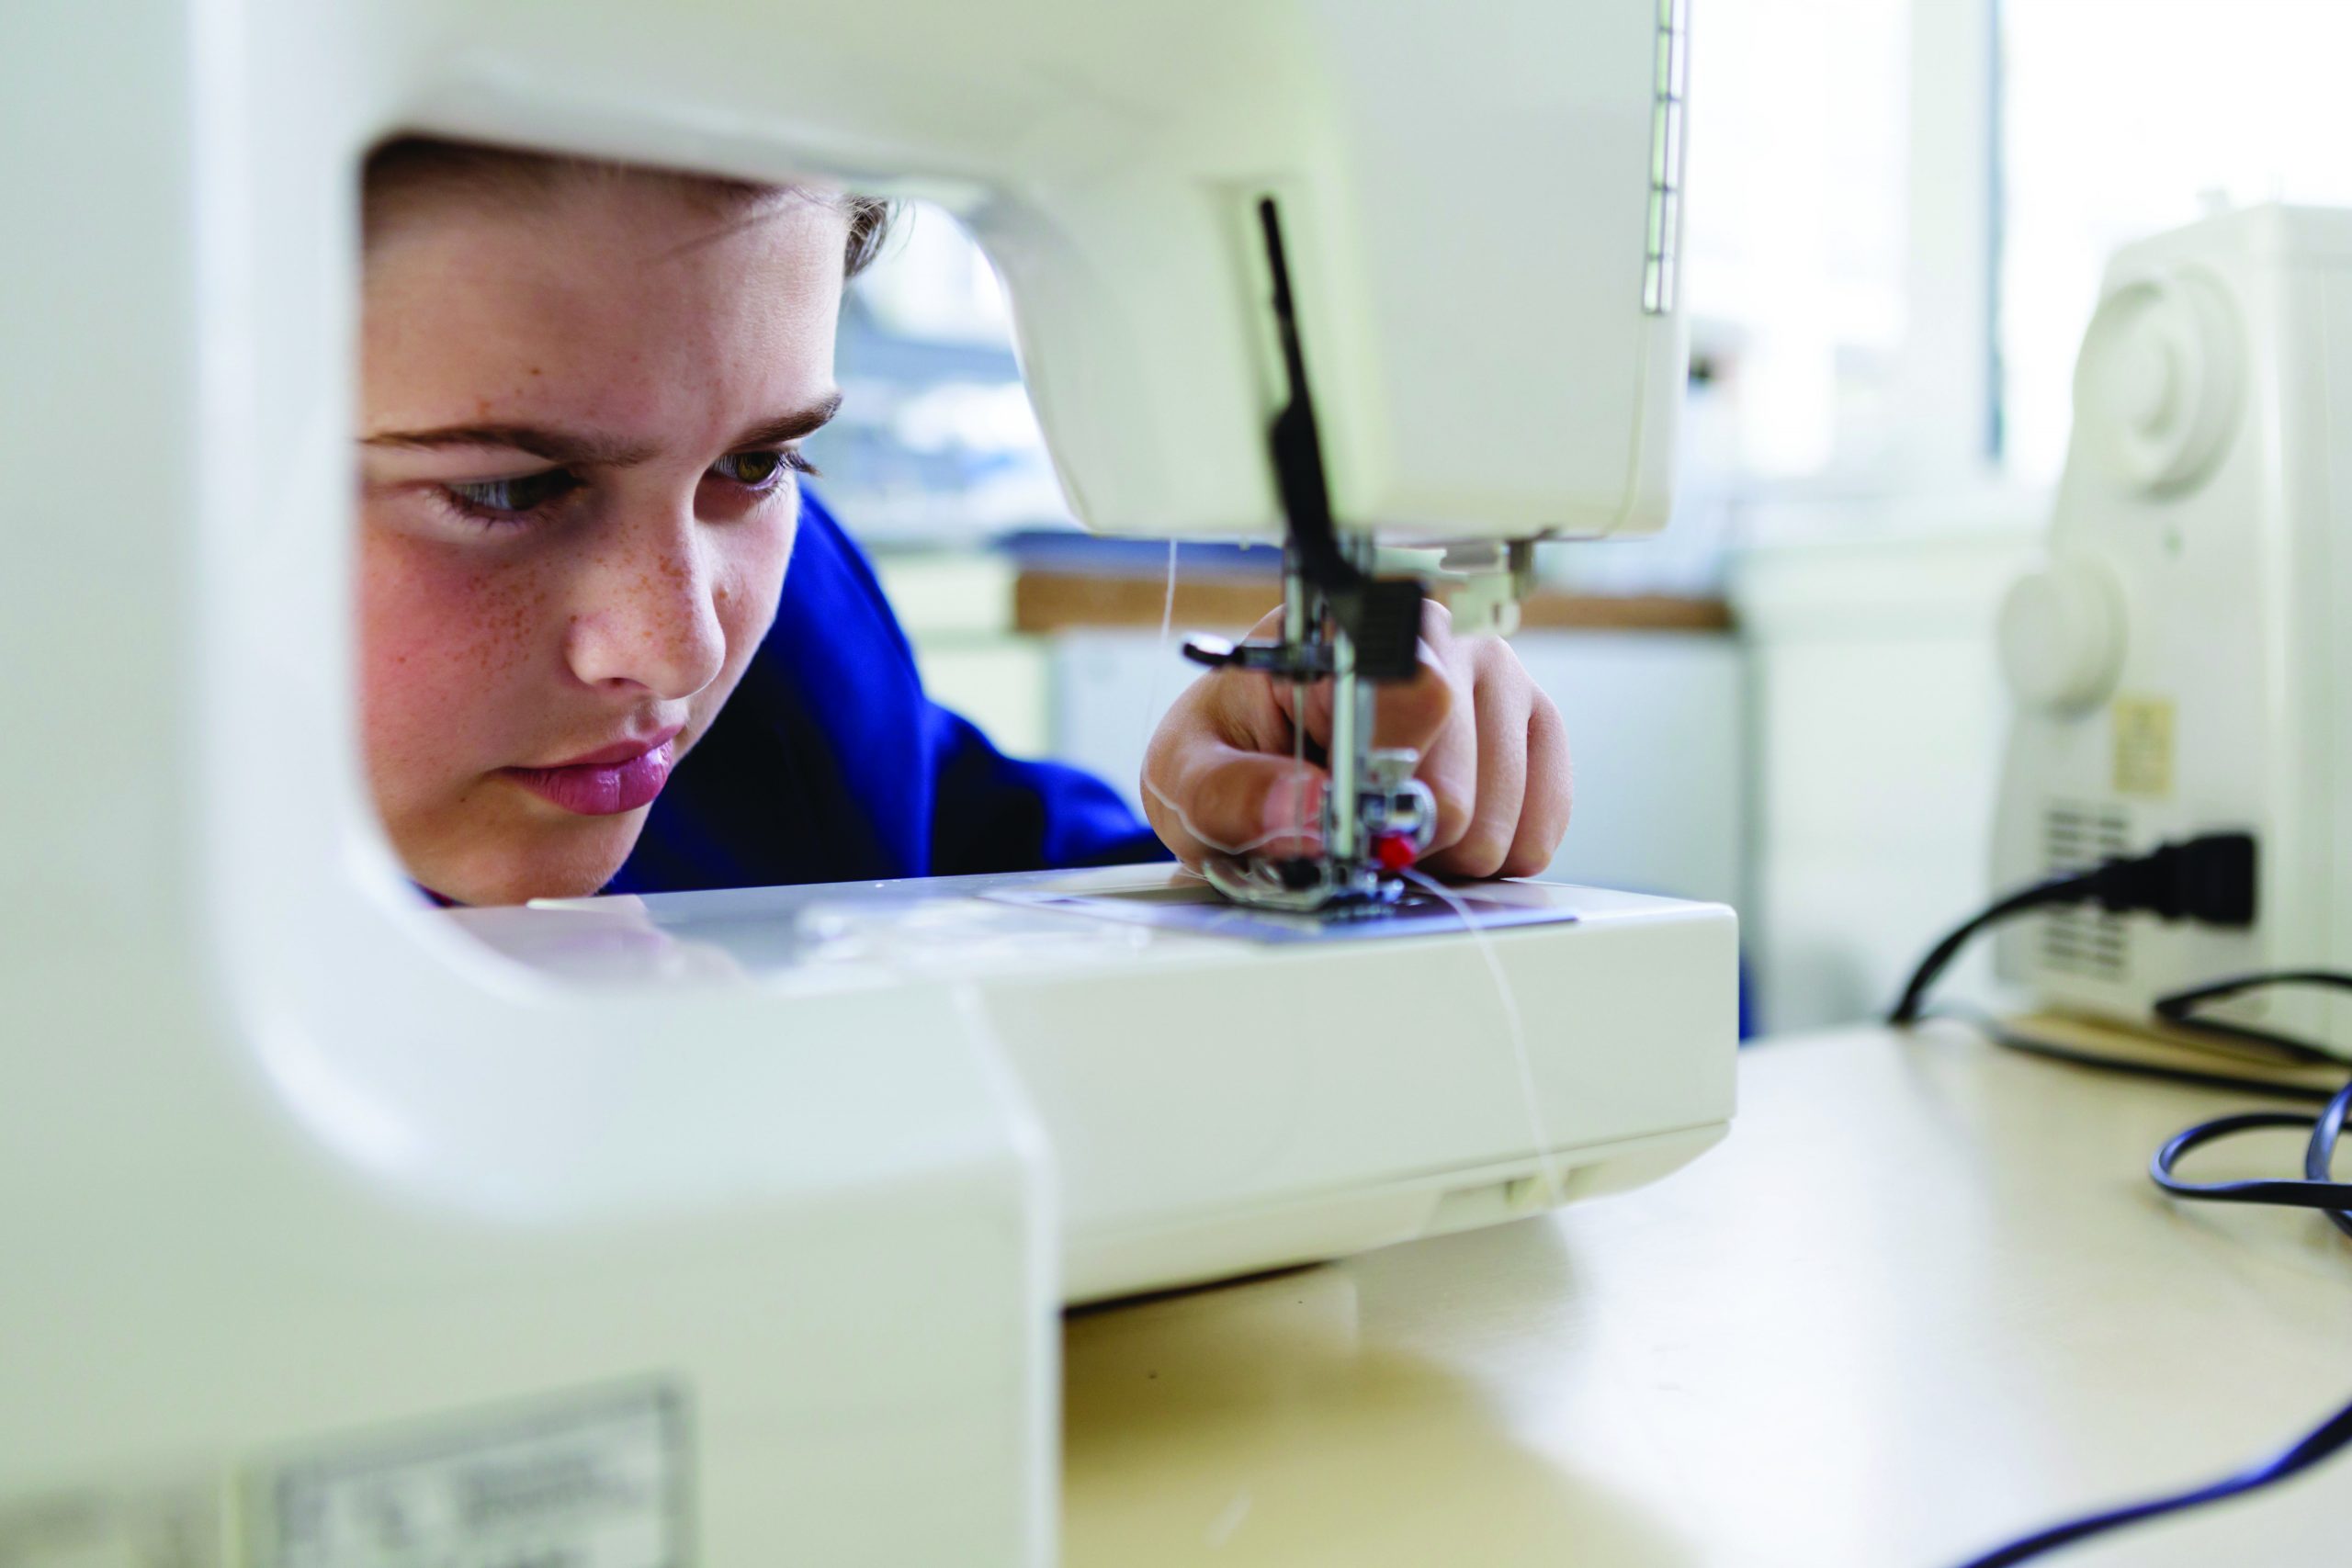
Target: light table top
(1923, 1299)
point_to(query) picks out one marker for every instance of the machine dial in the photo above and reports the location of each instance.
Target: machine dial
(2157, 384)
(2061, 636)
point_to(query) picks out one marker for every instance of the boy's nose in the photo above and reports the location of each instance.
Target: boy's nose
(646, 615)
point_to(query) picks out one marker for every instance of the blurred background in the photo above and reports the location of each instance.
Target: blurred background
(1899, 211)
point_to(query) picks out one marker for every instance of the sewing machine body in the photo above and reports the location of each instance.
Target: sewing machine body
(325, 1220)
(1195, 1135)
(2177, 664)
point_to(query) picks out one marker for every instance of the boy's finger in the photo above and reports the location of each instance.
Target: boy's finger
(1451, 766)
(1223, 800)
(1404, 713)
(1499, 791)
(1544, 821)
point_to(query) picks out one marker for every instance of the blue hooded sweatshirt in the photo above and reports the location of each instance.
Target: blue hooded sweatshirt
(829, 764)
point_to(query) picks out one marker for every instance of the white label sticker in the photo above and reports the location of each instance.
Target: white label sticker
(599, 1484)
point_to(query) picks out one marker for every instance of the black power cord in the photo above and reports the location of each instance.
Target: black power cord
(2179, 1007)
(2209, 879)
(2318, 1191)
(2131, 1067)
(2328, 1437)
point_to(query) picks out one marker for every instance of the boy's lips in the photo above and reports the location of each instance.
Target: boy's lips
(612, 779)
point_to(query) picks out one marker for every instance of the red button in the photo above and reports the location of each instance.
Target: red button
(1393, 850)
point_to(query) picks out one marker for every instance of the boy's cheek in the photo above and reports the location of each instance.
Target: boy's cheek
(747, 603)
(745, 596)
(440, 648)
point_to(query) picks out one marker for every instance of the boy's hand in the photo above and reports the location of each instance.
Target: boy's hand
(1219, 775)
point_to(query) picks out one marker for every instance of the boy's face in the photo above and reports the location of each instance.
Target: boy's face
(579, 410)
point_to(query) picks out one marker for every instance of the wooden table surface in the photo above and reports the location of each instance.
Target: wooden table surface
(1922, 1299)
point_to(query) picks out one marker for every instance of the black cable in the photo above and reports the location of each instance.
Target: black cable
(2318, 1191)
(2319, 1154)
(2210, 879)
(2329, 1437)
(2286, 1048)
(2128, 1067)
(2072, 889)
(2178, 1009)
(2179, 1005)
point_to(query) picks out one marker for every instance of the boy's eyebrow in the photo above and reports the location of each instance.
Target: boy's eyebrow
(555, 446)
(791, 426)
(589, 449)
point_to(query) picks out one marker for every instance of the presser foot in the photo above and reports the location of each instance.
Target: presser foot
(1304, 885)
(1393, 816)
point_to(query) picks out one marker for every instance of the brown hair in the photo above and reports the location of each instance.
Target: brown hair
(407, 163)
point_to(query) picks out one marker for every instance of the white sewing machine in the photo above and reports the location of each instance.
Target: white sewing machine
(2179, 665)
(734, 1228)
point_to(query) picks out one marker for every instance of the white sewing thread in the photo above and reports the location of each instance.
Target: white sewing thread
(1159, 653)
(1260, 841)
(1150, 707)
(1517, 1028)
(1514, 1024)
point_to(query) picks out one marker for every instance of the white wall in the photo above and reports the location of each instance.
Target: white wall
(1879, 719)
(1657, 728)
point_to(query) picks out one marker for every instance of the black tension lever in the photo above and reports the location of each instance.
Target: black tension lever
(1381, 615)
(1310, 663)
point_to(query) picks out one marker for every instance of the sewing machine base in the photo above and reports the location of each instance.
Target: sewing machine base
(1218, 1107)
(1197, 907)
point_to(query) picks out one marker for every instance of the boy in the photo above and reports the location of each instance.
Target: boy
(583, 391)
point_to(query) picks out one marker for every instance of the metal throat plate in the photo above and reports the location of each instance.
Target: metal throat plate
(1201, 908)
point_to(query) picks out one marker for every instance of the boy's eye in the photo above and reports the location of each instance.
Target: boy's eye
(760, 470)
(513, 497)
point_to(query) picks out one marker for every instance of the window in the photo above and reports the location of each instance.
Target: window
(935, 441)
(1793, 272)
(2124, 117)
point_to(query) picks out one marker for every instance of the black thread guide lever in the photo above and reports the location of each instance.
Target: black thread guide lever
(1381, 616)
